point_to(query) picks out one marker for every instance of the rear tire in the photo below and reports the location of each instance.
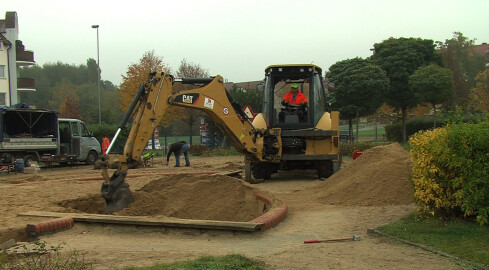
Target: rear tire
(28, 160)
(337, 165)
(324, 168)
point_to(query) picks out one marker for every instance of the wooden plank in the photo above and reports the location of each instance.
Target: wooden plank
(150, 221)
(229, 173)
(10, 243)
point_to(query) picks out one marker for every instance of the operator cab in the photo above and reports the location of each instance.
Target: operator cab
(278, 82)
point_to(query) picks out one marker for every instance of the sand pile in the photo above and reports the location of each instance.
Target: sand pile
(232, 166)
(378, 177)
(32, 178)
(186, 196)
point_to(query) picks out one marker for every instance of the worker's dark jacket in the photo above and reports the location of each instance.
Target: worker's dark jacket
(175, 148)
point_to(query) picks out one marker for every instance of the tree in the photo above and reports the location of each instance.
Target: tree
(92, 69)
(432, 84)
(70, 107)
(191, 70)
(458, 55)
(400, 58)
(54, 81)
(137, 74)
(359, 85)
(479, 95)
(249, 97)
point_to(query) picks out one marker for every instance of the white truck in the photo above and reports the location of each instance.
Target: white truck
(39, 135)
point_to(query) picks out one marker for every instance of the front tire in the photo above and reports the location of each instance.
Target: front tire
(261, 172)
(91, 157)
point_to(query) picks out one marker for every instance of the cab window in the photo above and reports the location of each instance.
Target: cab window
(85, 132)
(75, 130)
(319, 99)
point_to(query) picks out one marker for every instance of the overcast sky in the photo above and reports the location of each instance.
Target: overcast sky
(236, 39)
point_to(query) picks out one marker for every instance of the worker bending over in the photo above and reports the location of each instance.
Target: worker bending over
(178, 148)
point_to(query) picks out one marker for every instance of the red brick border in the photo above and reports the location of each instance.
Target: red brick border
(272, 216)
(50, 225)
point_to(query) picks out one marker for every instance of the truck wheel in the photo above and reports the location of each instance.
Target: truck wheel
(261, 172)
(337, 165)
(91, 158)
(28, 160)
(324, 168)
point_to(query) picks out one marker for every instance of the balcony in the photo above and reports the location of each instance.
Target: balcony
(26, 84)
(25, 58)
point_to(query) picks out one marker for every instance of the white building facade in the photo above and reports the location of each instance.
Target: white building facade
(12, 56)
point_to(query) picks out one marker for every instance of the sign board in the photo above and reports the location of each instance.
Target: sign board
(247, 110)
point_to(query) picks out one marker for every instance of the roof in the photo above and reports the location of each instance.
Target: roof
(4, 40)
(482, 49)
(314, 67)
(10, 19)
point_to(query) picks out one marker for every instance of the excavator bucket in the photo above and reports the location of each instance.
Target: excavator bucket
(116, 193)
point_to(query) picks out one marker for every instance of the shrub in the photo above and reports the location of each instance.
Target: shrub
(204, 150)
(200, 150)
(450, 172)
(393, 132)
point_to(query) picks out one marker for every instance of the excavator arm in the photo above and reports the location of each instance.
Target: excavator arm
(148, 107)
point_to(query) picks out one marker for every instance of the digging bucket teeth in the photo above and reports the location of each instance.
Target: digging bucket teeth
(116, 193)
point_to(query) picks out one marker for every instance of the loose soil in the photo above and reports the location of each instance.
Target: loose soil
(185, 196)
(368, 192)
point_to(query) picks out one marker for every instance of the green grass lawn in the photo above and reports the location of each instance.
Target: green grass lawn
(366, 131)
(234, 261)
(463, 239)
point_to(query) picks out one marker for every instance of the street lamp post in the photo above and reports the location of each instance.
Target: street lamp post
(95, 26)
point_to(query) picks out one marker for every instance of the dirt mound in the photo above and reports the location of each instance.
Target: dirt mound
(32, 178)
(378, 177)
(232, 166)
(186, 196)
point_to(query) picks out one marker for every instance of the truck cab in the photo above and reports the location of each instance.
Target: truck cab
(278, 80)
(76, 140)
(309, 131)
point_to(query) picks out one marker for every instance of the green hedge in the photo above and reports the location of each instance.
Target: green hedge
(393, 132)
(451, 172)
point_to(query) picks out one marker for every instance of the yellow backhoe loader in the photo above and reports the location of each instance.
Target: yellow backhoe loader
(281, 137)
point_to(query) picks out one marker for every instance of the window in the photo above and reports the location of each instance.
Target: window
(319, 99)
(2, 71)
(85, 132)
(74, 129)
(2, 99)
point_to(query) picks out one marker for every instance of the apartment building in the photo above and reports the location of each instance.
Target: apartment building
(12, 56)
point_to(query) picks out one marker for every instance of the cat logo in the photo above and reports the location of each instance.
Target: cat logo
(192, 98)
(187, 99)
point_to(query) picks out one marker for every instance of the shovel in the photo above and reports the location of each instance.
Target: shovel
(354, 238)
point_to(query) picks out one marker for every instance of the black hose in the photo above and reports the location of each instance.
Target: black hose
(132, 106)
